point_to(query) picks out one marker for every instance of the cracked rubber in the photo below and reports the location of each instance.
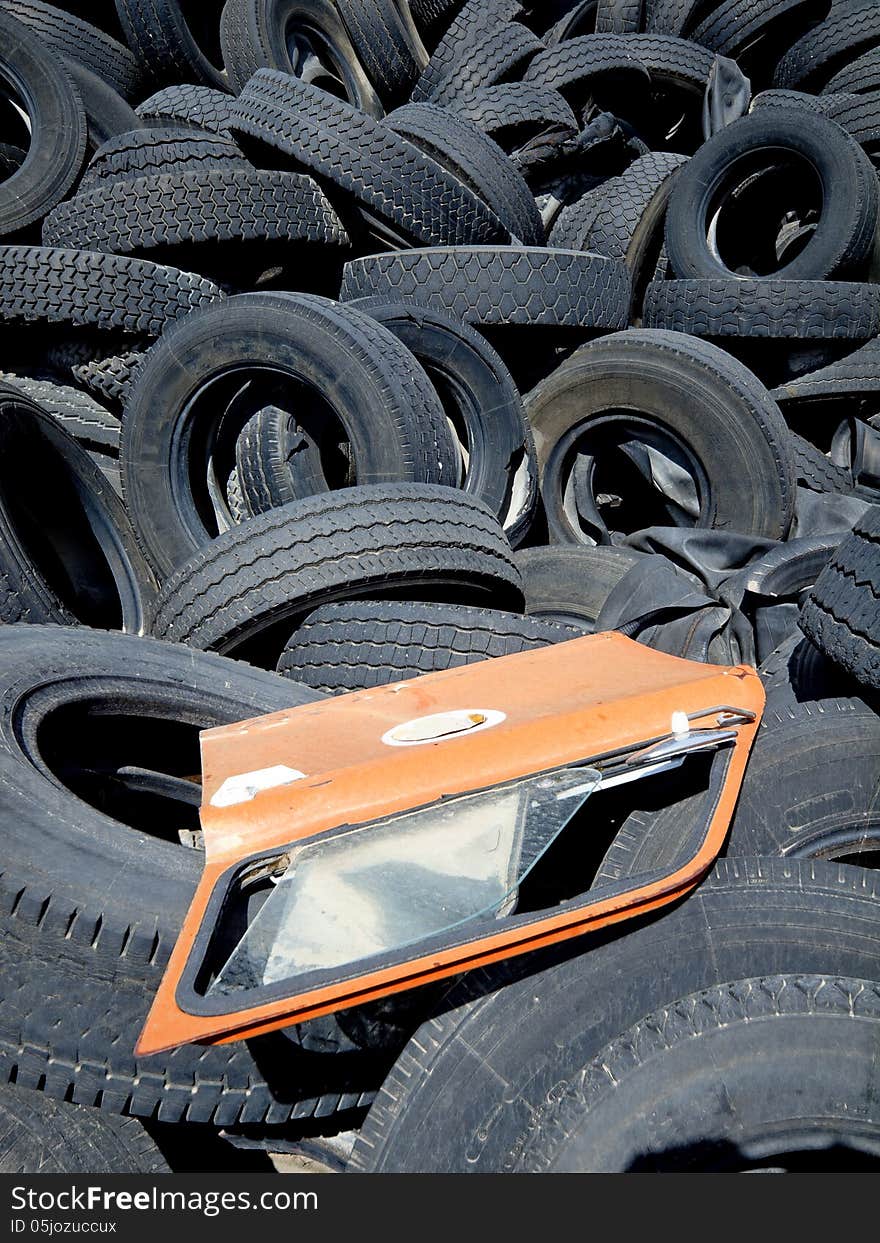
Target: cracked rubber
(43, 1136)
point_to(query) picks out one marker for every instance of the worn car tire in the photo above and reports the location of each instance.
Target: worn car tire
(843, 240)
(720, 416)
(56, 119)
(474, 1079)
(842, 614)
(364, 643)
(489, 285)
(427, 542)
(340, 358)
(738, 1077)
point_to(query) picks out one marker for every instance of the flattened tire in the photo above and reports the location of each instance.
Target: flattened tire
(473, 1081)
(266, 575)
(842, 614)
(509, 285)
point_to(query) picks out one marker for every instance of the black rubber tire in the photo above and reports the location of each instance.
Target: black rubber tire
(159, 33)
(859, 115)
(108, 376)
(668, 17)
(498, 55)
(627, 222)
(842, 614)
(346, 150)
(855, 374)
(69, 36)
(80, 287)
(198, 208)
(107, 113)
(387, 45)
(160, 151)
(91, 908)
(57, 123)
(859, 76)
(698, 394)
(365, 643)
(671, 62)
(390, 412)
(812, 787)
(799, 309)
(255, 34)
(42, 1136)
(489, 285)
(68, 552)
(421, 541)
(571, 226)
(89, 423)
(462, 148)
(570, 585)
(843, 241)
(816, 471)
(515, 111)
(622, 17)
(773, 98)
(465, 30)
(771, 1073)
(66, 862)
(471, 1083)
(432, 15)
(735, 26)
(483, 403)
(851, 27)
(187, 106)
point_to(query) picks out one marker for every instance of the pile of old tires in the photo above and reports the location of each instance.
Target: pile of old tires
(349, 340)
